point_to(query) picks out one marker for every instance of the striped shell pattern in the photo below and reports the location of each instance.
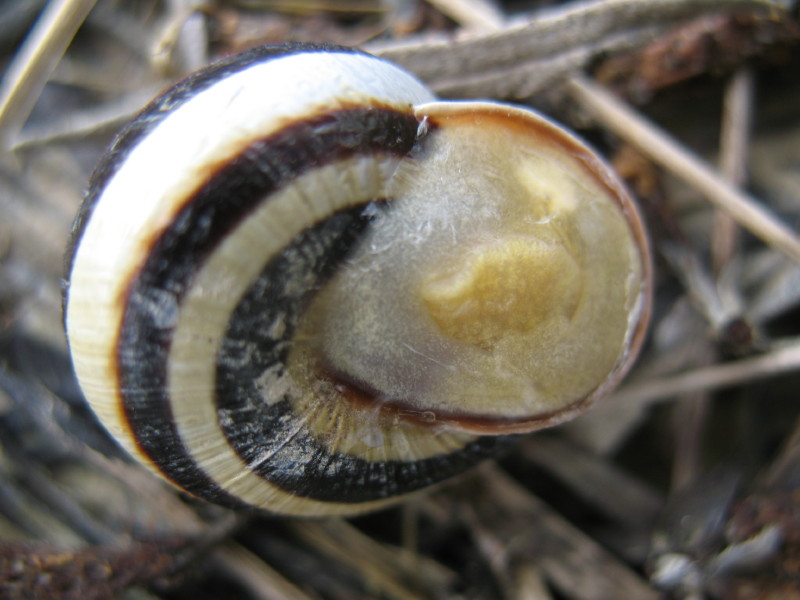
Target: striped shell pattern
(302, 283)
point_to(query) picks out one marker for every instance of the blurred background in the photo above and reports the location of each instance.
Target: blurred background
(683, 484)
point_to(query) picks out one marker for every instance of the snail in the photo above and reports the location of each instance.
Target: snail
(300, 282)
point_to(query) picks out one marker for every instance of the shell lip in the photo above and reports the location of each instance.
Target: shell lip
(489, 425)
(438, 114)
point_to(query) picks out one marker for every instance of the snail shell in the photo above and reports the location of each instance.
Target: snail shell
(299, 282)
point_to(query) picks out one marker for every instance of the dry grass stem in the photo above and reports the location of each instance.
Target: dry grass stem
(83, 124)
(576, 565)
(734, 144)
(618, 495)
(545, 35)
(26, 76)
(385, 569)
(479, 15)
(709, 378)
(263, 582)
(664, 150)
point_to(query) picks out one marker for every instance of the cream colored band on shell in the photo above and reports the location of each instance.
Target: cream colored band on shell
(170, 163)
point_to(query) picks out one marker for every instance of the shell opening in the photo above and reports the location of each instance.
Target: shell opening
(497, 292)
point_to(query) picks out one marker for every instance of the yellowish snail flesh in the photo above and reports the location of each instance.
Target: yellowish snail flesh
(302, 283)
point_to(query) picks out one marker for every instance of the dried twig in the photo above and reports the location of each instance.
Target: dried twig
(381, 567)
(737, 117)
(603, 485)
(263, 582)
(529, 530)
(479, 15)
(707, 378)
(626, 123)
(546, 36)
(25, 78)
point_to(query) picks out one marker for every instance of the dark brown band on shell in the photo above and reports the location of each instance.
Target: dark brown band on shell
(155, 297)
(155, 112)
(299, 464)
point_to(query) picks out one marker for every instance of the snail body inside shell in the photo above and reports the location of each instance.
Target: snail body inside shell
(301, 283)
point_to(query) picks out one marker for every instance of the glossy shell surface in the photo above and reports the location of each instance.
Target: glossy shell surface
(300, 282)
